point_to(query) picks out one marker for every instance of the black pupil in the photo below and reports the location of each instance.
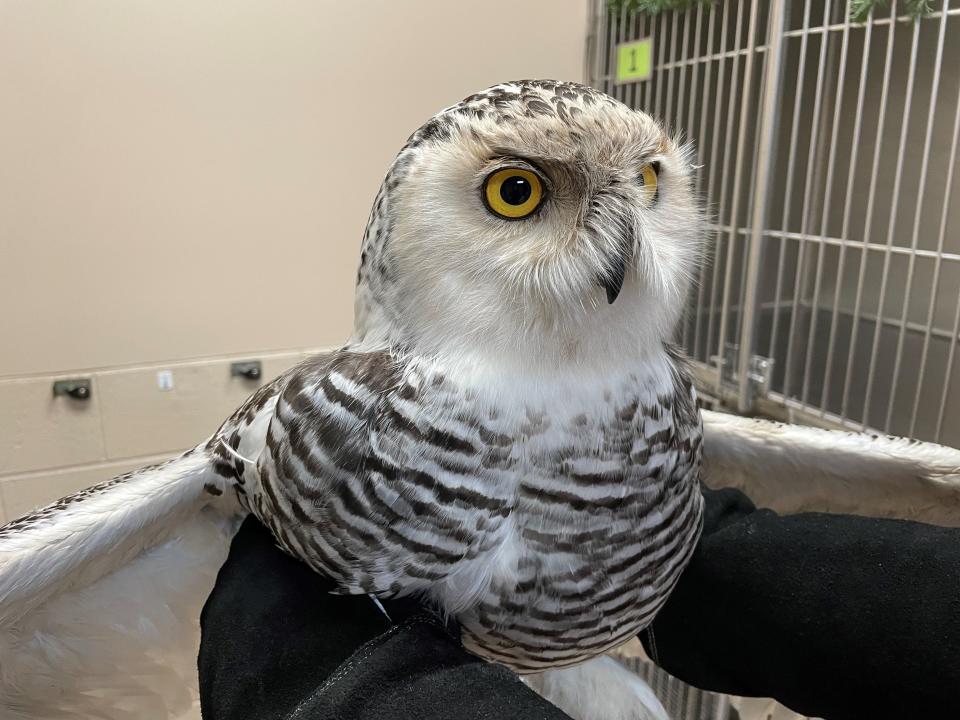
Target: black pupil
(515, 190)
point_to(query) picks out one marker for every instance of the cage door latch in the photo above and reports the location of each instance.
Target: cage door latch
(758, 378)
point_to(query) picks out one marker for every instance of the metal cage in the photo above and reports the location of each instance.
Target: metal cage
(827, 152)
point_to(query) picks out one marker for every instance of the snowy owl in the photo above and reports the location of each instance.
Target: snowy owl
(508, 434)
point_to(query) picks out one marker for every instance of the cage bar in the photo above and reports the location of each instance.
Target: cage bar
(819, 252)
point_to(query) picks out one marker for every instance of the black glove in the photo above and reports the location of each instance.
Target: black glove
(836, 616)
(276, 644)
(833, 615)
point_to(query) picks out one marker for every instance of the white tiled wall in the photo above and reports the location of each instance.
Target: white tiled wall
(52, 446)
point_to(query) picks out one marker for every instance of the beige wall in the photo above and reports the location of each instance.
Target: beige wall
(190, 179)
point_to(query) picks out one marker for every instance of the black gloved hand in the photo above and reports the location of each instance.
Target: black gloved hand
(835, 616)
(276, 644)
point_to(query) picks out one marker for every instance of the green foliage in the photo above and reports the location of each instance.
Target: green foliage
(652, 7)
(859, 9)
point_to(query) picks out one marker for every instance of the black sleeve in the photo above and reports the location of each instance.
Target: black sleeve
(835, 616)
(275, 643)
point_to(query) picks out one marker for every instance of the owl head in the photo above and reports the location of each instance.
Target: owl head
(535, 216)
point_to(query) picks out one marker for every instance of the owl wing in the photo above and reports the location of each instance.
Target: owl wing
(373, 474)
(101, 591)
(794, 468)
(100, 594)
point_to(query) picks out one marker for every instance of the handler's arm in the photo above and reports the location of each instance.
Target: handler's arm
(835, 616)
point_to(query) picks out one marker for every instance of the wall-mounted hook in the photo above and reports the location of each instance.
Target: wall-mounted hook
(248, 369)
(76, 388)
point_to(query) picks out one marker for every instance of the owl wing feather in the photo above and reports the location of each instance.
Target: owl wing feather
(100, 594)
(795, 468)
(369, 471)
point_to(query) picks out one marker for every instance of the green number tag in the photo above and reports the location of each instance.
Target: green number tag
(634, 61)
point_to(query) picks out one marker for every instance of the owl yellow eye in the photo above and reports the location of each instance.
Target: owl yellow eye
(512, 193)
(648, 178)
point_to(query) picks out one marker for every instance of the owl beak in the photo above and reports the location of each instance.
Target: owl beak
(612, 279)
